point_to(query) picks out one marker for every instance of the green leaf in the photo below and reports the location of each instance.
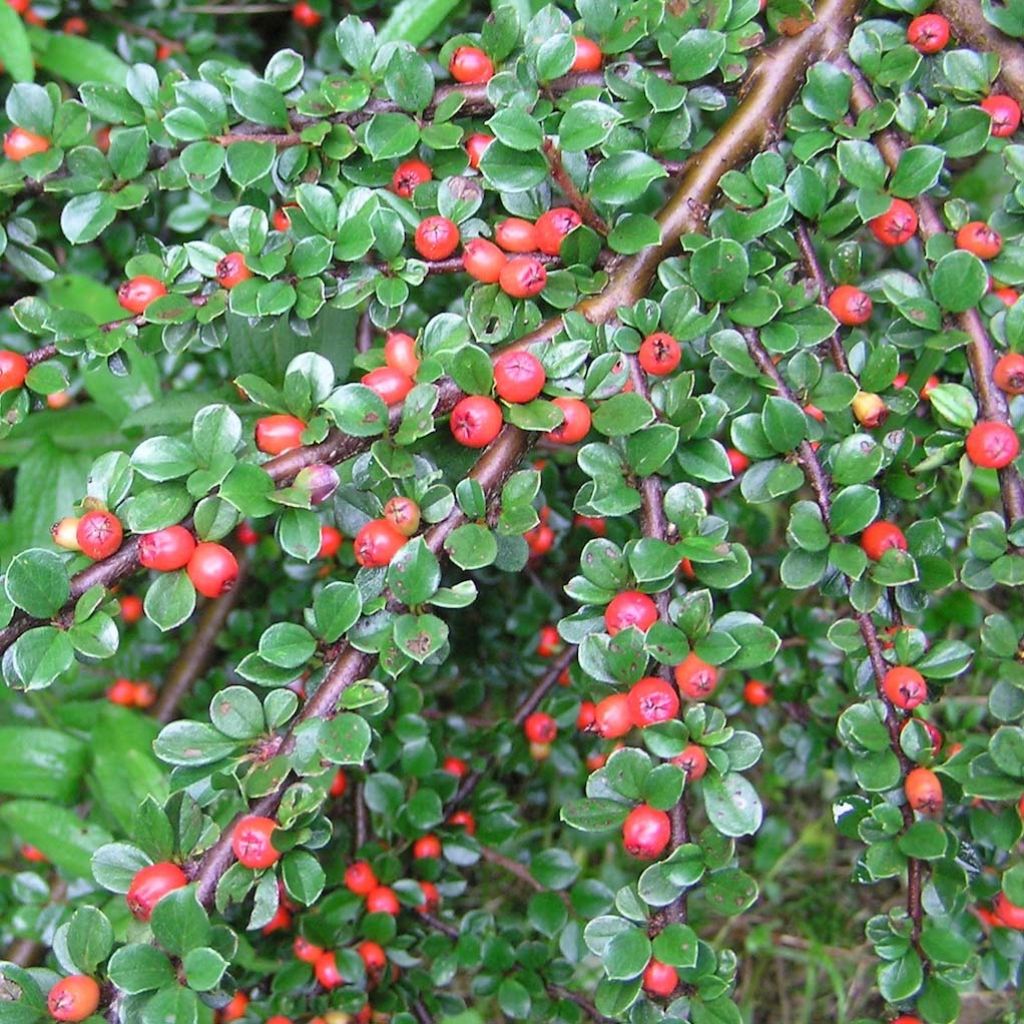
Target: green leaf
(415, 20)
(959, 281)
(62, 836)
(719, 270)
(15, 51)
(37, 582)
(38, 762)
(732, 804)
(139, 968)
(77, 60)
(179, 923)
(345, 739)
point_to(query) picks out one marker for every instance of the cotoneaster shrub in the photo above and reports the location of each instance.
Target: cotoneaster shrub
(511, 512)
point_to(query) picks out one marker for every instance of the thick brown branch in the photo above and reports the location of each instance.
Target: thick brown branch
(972, 30)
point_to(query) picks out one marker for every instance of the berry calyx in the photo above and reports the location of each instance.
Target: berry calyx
(553, 226)
(150, 885)
(694, 762)
(73, 998)
(905, 687)
(403, 514)
(646, 832)
(588, 55)
(977, 237)
(251, 842)
(476, 421)
(516, 235)
(436, 238)
(360, 879)
(540, 728)
(923, 790)
(1009, 373)
(167, 549)
(13, 370)
(756, 693)
(136, 294)
(278, 433)
(660, 979)
(389, 384)
(99, 534)
(427, 847)
(476, 146)
(659, 354)
(330, 542)
(408, 176)
(303, 14)
(652, 700)
(880, 537)
(231, 270)
(575, 423)
(518, 376)
(400, 353)
(928, 33)
(897, 225)
(613, 716)
(382, 900)
(523, 277)
(471, 66)
(483, 260)
(850, 306)
(376, 543)
(695, 678)
(20, 144)
(212, 569)
(992, 445)
(630, 608)
(1005, 114)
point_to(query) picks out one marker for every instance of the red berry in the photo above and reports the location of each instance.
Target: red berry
(905, 687)
(360, 879)
(483, 260)
(694, 762)
(518, 376)
(400, 353)
(897, 225)
(977, 237)
(338, 784)
(869, 409)
(382, 900)
(756, 693)
(651, 701)
(924, 791)
(934, 733)
(246, 534)
(281, 220)
(523, 277)
(304, 15)
(231, 270)
(928, 33)
(850, 306)
(540, 728)
(738, 462)
(659, 354)
(330, 542)
(428, 846)
(1008, 914)
(135, 295)
(167, 549)
(613, 716)
(18, 6)
(660, 979)
(928, 387)
(373, 956)
(540, 539)
(73, 998)
(20, 144)
(814, 412)
(403, 514)
(549, 641)
(1005, 114)
(280, 922)
(212, 569)
(376, 543)
(13, 370)
(99, 534)
(476, 421)
(595, 524)
(122, 692)
(408, 176)
(992, 445)
(588, 55)
(455, 766)
(463, 820)
(145, 695)
(236, 1008)
(576, 422)
(150, 885)
(306, 951)
(278, 433)
(695, 678)
(586, 717)
(130, 608)
(476, 146)
(251, 842)
(1009, 373)
(471, 66)
(436, 238)
(431, 897)
(553, 226)
(326, 971)
(646, 832)
(516, 235)
(630, 608)
(880, 537)
(389, 384)
(1006, 295)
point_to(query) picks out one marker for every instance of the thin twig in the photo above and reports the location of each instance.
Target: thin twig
(807, 250)
(577, 200)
